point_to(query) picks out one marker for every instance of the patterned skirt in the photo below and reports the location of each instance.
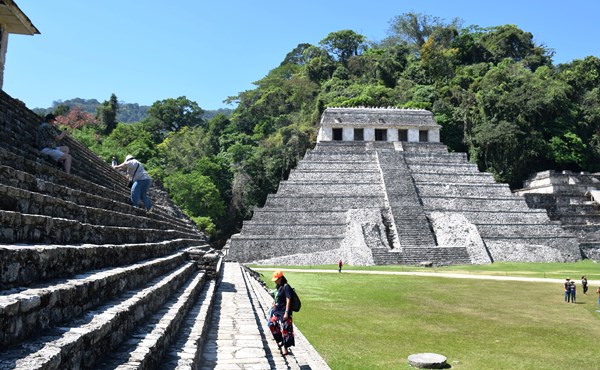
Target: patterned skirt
(282, 330)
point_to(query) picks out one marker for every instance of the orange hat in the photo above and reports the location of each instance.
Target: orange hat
(277, 274)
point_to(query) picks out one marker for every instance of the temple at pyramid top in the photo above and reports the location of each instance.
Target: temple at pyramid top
(378, 124)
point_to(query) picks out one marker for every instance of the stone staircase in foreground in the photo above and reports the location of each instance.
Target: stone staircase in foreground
(409, 184)
(86, 280)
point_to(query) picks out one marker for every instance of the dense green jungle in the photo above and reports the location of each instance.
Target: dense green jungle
(495, 92)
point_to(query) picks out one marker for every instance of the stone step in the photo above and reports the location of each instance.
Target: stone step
(559, 242)
(35, 170)
(592, 228)
(453, 178)
(325, 202)
(281, 229)
(339, 156)
(332, 146)
(251, 228)
(443, 168)
(83, 160)
(85, 341)
(337, 165)
(532, 216)
(275, 216)
(415, 157)
(41, 306)
(439, 256)
(335, 176)
(252, 248)
(22, 265)
(450, 204)
(72, 188)
(426, 147)
(523, 230)
(147, 345)
(295, 188)
(27, 202)
(186, 350)
(464, 190)
(16, 227)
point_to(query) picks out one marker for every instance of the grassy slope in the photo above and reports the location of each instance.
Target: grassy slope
(376, 322)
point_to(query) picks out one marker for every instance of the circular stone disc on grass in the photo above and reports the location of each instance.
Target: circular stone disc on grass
(427, 361)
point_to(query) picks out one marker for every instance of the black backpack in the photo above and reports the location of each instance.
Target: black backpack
(295, 304)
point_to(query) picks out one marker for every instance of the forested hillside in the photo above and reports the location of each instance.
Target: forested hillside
(495, 91)
(127, 112)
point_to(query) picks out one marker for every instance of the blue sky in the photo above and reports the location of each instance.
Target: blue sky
(144, 51)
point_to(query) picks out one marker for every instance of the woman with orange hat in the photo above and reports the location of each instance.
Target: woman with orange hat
(280, 322)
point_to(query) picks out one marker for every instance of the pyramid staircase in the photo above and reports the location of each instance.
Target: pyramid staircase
(87, 280)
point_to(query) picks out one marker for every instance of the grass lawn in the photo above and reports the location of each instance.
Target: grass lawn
(377, 321)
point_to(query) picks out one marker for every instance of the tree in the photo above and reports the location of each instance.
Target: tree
(297, 56)
(413, 29)
(568, 151)
(509, 41)
(196, 194)
(344, 44)
(173, 114)
(107, 112)
(76, 118)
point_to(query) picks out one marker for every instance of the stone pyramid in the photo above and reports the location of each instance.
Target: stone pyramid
(379, 188)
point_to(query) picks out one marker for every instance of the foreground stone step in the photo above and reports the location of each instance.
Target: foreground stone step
(87, 340)
(147, 345)
(23, 265)
(69, 188)
(27, 202)
(30, 310)
(186, 351)
(16, 227)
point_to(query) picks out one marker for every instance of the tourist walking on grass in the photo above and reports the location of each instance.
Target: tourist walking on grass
(139, 181)
(340, 264)
(568, 290)
(280, 321)
(584, 284)
(573, 292)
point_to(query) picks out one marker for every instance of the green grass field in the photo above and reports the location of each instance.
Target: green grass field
(376, 321)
